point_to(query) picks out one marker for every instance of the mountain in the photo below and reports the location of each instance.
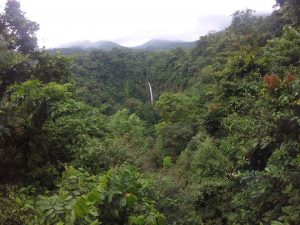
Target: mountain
(104, 45)
(108, 46)
(163, 45)
(81, 44)
(152, 45)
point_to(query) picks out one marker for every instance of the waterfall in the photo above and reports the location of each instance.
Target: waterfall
(150, 90)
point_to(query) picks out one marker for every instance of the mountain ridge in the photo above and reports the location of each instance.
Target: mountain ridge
(151, 45)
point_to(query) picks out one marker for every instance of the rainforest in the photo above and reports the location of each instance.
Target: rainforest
(206, 135)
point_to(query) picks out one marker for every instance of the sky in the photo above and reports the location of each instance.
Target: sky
(132, 22)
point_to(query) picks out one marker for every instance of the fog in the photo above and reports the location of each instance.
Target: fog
(132, 22)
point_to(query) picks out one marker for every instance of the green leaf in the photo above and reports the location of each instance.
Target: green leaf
(131, 200)
(45, 207)
(93, 196)
(94, 213)
(58, 207)
(110, 196)
(276, 223)
(50, 211)
(122, 202)
(73, 217)
(81, 208)
(96, 222)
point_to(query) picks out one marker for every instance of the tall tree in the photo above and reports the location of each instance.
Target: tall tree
(17, 29)
(291, 10)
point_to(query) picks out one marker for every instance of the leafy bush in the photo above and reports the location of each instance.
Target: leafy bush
(119, 196)
(167, 162)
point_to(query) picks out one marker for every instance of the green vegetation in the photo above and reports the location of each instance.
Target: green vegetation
(81, 142)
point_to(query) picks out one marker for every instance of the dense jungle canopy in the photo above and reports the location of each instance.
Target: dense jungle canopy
(81, 142)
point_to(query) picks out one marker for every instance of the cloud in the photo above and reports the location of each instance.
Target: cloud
(132, 22)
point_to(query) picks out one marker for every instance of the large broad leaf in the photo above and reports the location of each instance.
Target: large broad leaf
(81, 208)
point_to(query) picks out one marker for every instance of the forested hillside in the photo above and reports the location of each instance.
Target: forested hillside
(81, 142)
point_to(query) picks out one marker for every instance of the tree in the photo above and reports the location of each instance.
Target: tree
(44, 128)
(176, 107)
(280, 2)
(291, 10)
(243, 21)
(17, 29)
(179, 121)
(14, 67)
(17, 38)
(51, 67)
(281, 54)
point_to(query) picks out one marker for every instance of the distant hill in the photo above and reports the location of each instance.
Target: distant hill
(104, 45)
(69, 50)
(81, 44)
(163, 45)
(108, 46)
(152, 45)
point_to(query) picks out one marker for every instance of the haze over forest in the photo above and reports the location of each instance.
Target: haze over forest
(132, 23)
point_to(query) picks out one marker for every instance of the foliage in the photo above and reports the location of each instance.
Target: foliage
(17, 29)
(243, 21)
(50, 68)
(120, 196)
(45, 128)
(179, 121)
(14, 67)
(219, 144)
(290, 9)
(281, 55)
(167, 162)
(176, 107)
(124, 124)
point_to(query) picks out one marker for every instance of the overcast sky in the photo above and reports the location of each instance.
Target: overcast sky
(132, 22)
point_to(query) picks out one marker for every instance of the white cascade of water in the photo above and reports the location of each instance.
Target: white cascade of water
(150, 90)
